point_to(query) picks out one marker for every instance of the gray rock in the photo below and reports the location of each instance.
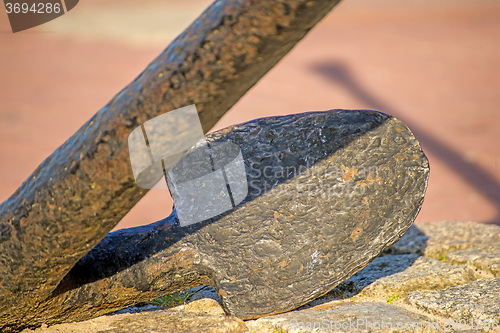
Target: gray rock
(395, 276)
(484, 260)
(355, 317)
(478, 301)
(438, 238)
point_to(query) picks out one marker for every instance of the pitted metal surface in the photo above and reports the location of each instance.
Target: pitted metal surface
(328, 192)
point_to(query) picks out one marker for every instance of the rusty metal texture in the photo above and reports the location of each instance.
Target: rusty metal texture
(328, 192)
(84, 188)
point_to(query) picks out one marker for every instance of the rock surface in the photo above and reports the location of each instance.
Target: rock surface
(436, 239)
(478, 300)
(403, 293)
(359, 317)
(400, 274)
(483, 260)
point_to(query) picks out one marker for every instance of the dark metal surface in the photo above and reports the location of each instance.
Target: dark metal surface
(328, 191)
(81, 191)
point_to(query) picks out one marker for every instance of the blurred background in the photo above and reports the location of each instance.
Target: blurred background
(433, 64)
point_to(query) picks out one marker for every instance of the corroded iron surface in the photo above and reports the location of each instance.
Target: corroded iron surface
(328, 192)
(81, 191)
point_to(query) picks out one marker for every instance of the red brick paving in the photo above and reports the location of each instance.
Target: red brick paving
(434, 65)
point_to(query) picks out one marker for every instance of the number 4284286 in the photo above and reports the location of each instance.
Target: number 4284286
(35, 8)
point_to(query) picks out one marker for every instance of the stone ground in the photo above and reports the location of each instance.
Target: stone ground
(432, 280)
(433, 64)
